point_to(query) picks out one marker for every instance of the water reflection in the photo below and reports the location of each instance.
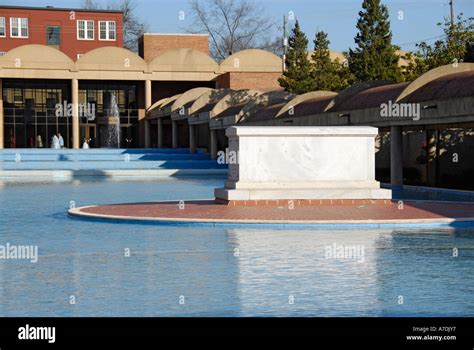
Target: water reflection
(403, 273)
(238, 272)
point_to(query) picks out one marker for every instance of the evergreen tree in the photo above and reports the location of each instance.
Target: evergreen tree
(325, 73)
(297, 76)
(375, 57)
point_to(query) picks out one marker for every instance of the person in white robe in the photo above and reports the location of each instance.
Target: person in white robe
(55, 142)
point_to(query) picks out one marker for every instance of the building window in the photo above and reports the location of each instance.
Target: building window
(2, 53)
(18, 27)
(53, 35)
(3, 30)
(85, 30)
(107, 30)
(79, 55)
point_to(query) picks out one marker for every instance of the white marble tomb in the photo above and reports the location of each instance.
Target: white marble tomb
(295, 162)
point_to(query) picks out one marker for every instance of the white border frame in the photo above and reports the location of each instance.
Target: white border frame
(5, 26)
(107, 30)
(19, 28)
(85, 29)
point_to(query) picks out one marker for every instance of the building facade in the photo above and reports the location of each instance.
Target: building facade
(36, 79)
(65, 71)
(72, 31)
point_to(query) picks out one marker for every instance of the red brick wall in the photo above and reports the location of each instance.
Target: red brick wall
(151, 45)
(264, 81)
(39, 19)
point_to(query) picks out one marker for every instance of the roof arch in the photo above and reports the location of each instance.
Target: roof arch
(36, 57)
(372, 97)
(160, 103)
(188, 96)
(234, 98)
(304, 97)
(433, 75)
(111, 58)
(183, 60)
(262, 101)
(170, 100)
(451, 86)
(252, 60)
(346, 94)
(206, 98)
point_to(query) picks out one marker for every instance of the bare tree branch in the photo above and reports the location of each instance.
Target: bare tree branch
(232, 25)
(133, 28)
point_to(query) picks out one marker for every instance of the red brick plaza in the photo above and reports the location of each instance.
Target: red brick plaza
(360, 212)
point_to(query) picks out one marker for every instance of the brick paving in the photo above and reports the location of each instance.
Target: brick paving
(212, 211)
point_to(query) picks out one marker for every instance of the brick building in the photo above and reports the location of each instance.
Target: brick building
(72, 31)
(151, 45)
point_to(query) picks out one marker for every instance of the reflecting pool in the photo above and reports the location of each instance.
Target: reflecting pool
(120, 269)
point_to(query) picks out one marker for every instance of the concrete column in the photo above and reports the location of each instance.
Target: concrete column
(1, 116)
(213, 133)
(148, 102)
(159, 124)
(192, 138)
(174, 133)
(75, 114)
(396, 158)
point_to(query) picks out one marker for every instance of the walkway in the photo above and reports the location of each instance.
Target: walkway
(381, 213)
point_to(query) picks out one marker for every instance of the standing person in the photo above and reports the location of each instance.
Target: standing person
(85, 145)
(61, 140)
(54, 142)
(39, 141)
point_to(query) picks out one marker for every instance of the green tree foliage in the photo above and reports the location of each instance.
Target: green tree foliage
(325, 73)
(375, 57)
(297, 76)
(455, 47)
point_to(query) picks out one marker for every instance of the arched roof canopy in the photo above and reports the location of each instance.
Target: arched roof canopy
(370, 98)
(451, 86)
(304, 97)
(338, 102)
(263, 100)
(169, 102)
(183, 60)
(435, 74)
(188, 96)
(252, 60)
(207, 98)
(160, 103)
(267, 113)
(111, 59)
(233, 98)
(162, 107)
(36, 57)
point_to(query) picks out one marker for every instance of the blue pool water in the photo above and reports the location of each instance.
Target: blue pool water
(186, 271)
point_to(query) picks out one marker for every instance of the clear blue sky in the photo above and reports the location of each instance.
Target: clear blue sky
(337, 17)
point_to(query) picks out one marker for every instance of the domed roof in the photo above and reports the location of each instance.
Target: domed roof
(36, 57)
(183, 60)
(252, 60)
(111, 58)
